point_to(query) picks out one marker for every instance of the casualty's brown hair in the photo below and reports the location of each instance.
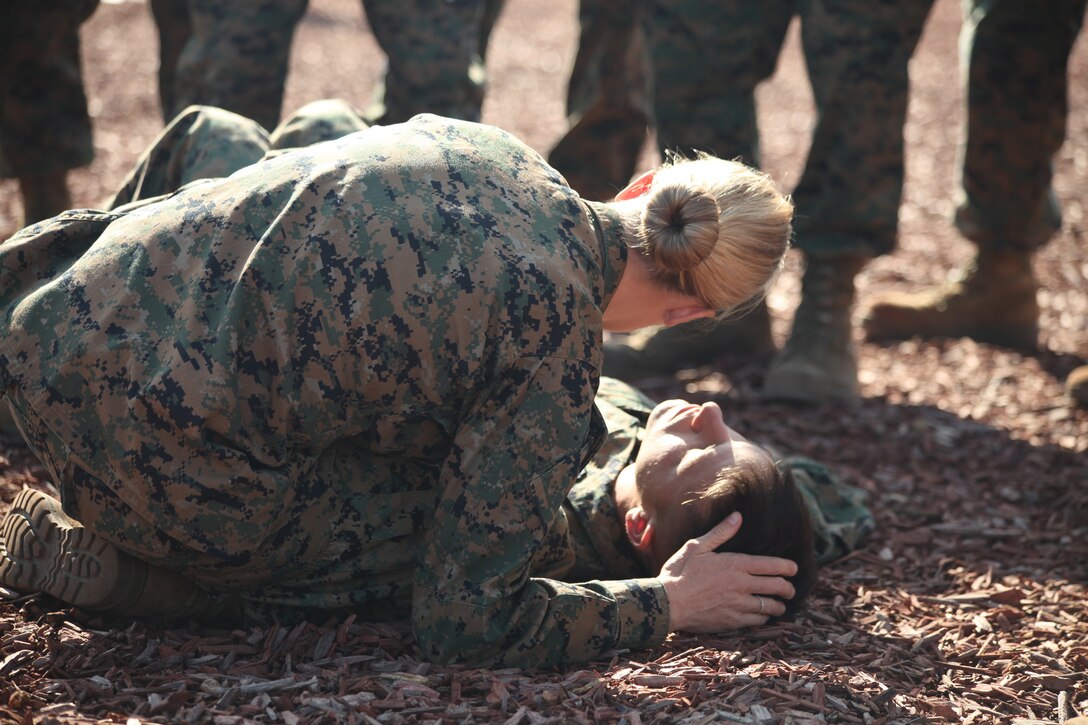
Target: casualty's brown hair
(775, 520)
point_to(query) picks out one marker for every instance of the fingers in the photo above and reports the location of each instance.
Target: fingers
(767, 607)
(737, 620)
(768, 565)
(772, 587)
(758, 565)
(720, 534)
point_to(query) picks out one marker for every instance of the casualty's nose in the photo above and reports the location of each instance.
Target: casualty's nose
(707, 415)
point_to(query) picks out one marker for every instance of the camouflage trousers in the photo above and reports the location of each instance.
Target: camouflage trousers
(235, 55)
(204, 143)
(1015, 58)
(209, 143)
(608, 106)
(199, 144)
(44, 126)
(708, 57)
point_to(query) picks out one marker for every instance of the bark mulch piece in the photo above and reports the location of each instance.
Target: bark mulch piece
(968, 605)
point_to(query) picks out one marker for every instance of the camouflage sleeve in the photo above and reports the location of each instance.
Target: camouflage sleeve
(515, 456)
(841, 519)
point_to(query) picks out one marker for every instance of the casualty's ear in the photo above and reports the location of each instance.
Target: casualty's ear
(639, 528)
(680, 315)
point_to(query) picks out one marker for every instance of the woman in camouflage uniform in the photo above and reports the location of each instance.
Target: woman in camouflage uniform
(195, 368)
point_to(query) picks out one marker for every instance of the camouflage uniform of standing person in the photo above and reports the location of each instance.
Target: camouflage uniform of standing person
(707, 59)
(44, 127)
(434, 57)
(1015, 61)
(235, 55)
(398, 330)
(608, 105)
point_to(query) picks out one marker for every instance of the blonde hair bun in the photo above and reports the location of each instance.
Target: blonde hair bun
(713, 229)
(680, 227)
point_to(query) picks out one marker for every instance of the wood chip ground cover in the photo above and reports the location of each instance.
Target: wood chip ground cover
(968, 605)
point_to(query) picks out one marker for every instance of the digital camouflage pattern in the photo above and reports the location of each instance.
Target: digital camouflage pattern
(235, 55)
(232, 367)
(232, 55)
(434, 57)
(608, 104)
(1015, 59)
(44, 126)
(841, 519)
(208, 143)
(707, 58)
(588, 540)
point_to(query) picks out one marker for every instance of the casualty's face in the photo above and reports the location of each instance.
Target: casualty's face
(684, 447)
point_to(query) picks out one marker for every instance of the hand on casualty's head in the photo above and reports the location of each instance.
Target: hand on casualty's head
(713, 592)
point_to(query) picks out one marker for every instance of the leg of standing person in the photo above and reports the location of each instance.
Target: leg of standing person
(433, 61)
(45, 130)
(608, 105)
(848, 197)
(492, 10)
(705, 60)
(1015, 60)
(175, 28)
(235, 58)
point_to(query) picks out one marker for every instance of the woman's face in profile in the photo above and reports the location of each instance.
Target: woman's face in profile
(684, 447)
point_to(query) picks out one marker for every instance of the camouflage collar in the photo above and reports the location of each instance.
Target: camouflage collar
(599, 524)
(609, 230)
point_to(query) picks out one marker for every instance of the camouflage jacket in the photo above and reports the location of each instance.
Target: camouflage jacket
(587, 539)
(359, 374)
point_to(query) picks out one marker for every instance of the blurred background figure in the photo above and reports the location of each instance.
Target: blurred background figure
(434, 57)
(235, 55)
(608, 105)
(1015, 60)
(707, 59)
(44, 127)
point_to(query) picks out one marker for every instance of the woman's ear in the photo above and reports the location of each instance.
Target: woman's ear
(639, 529)
(638, 187)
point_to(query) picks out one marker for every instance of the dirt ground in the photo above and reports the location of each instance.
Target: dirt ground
(969, 604)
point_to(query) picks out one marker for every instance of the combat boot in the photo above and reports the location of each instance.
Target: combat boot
(992, 300)
(1076, 386)
(42, 549)
(44, 196)
(664, 350)
(818, 363)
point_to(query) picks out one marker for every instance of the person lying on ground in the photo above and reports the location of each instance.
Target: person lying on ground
(594, 541)
(593, 537)
(198, 371)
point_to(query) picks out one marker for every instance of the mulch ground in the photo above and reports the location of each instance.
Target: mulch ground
(969, 603)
